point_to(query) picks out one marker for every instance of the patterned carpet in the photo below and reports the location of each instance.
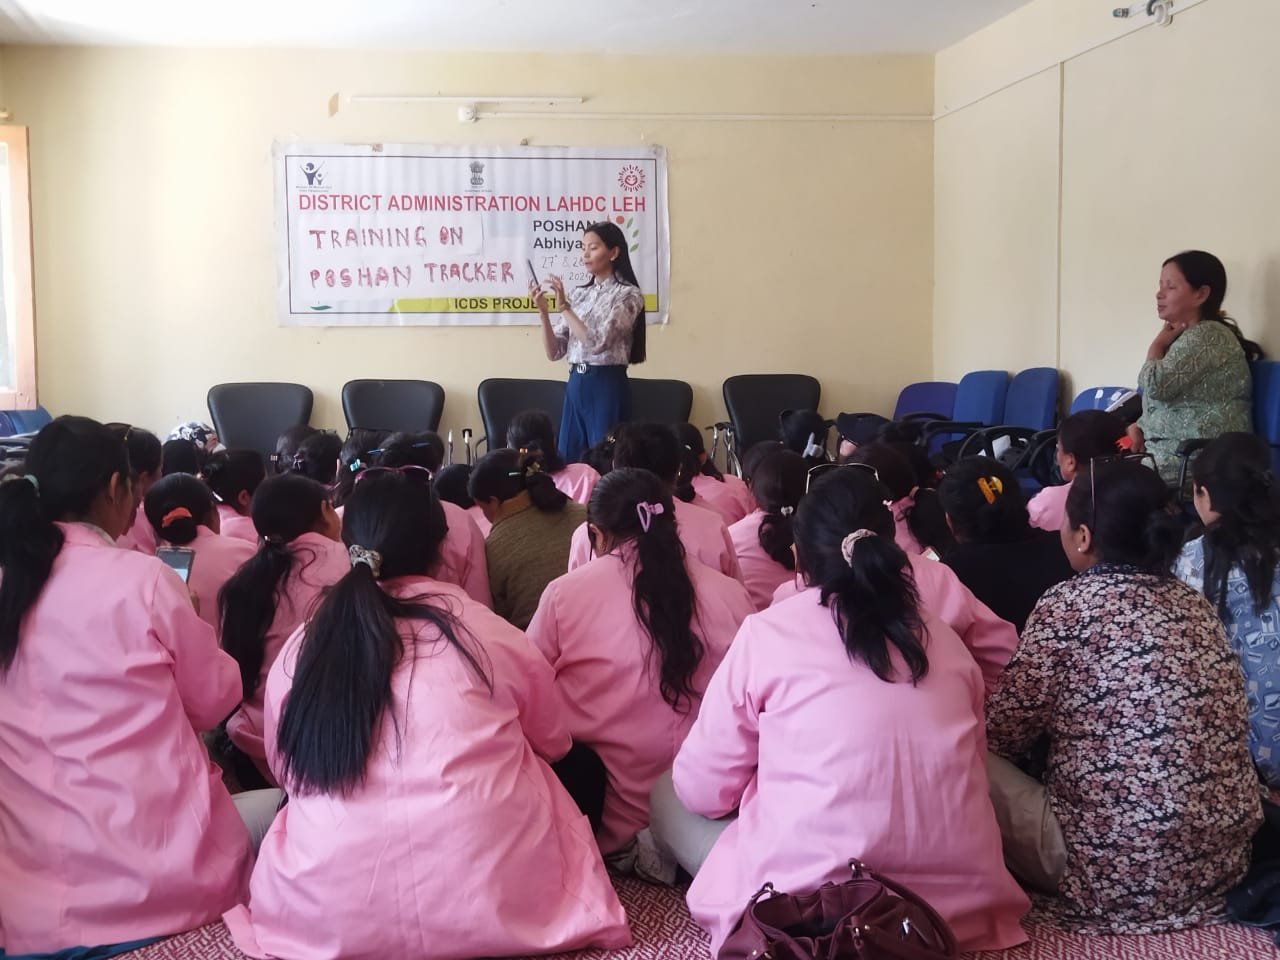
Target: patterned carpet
(663, 931)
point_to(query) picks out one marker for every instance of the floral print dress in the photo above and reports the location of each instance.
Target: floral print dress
(1127, 679)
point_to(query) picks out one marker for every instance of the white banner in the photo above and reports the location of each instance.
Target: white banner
(405, 234)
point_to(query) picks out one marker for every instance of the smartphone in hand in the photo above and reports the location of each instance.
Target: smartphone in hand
(179, 559)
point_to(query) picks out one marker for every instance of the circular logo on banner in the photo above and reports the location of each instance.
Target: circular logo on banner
(631, 178)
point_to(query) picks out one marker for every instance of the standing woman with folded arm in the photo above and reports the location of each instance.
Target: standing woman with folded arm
(601, 330)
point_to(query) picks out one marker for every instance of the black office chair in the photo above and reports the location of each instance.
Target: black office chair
(754, 401)
(251, 416)
(662, 401)
(408, 406)
(501, 398)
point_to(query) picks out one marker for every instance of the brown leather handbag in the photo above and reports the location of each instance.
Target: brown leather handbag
(868, 917)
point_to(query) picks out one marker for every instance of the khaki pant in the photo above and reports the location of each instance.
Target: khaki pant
(685, 837)
(257, 808)
(1034, 849)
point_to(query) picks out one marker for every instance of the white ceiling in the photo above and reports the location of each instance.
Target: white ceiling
(598, 26)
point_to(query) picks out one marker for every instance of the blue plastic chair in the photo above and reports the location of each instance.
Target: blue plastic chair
(1097, 398)
(13, 422)
(1266, 405)
(930, 396)
(1032, 399)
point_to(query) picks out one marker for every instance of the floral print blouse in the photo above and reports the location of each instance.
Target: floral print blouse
(1127, 680)
(1201, 389)
(1255, 638)
(609, 311)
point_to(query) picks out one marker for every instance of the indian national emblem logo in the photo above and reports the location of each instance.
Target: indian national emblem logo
(477, 173)
(631, 178)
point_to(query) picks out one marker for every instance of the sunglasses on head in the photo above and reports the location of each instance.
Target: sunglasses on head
(409, 470)
(824, 468)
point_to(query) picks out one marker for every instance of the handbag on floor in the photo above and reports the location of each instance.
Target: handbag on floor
(868, 917)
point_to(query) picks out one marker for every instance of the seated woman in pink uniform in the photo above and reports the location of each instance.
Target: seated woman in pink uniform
(233, 475)
(1081, 437)
(844, 722)
(633, 639)
(183, 513)
(763, 538)
(725, 493)
(145, 456)
(461, 555)
(275, 590)
(116, 825)
(413, 728)
(532, 430)
(654, 447)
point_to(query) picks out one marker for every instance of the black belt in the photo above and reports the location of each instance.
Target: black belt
(585, 367)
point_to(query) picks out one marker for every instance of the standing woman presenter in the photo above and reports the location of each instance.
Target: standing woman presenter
(600, 332)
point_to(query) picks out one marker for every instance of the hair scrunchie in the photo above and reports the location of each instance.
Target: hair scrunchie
(851, 541)
(370, 558)
(29, 477)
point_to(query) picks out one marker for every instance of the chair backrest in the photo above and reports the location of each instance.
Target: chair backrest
(1032, 399)
(1097, 398)
(662, 401)
(23, 421)
(502, 398)
(980, 397)
(1266, 405)
(251, 416)
(409, 406)
(754, 401)
(929, 396)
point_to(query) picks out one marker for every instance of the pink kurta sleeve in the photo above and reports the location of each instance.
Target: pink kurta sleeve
(208, 680)
(544, 629)
(525, 673)
(730, 567)
(476, 582)
(579, 547)
(720, 755)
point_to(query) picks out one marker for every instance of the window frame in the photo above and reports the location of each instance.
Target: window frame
(20, 290)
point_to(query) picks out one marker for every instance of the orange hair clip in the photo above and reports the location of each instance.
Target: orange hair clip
(991, 487)
(177, 513)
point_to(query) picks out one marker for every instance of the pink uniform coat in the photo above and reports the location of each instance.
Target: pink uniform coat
(990, 639)
(318, 563)
(141, 536)
(703, 533)
(731, 498)
(1048, 508)
(460, 842)
(607, 672)
(236, 525)
(116, 825)
(480, 520)
(217, 558)
(576, 481)
(824, 761)
(902, 532)
(760, 572)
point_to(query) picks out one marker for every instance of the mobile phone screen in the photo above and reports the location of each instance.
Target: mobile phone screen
(529, 264)
(177, 558)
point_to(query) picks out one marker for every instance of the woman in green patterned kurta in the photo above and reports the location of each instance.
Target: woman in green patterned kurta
(1196, 382)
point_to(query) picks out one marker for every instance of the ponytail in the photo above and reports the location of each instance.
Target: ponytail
(284, 508)
(505, 473)
(691, 437)
(631, 505)
(177, 506)
(844, 540)
(778, 482)
(342, 685)
(688, 470)
(70, 461)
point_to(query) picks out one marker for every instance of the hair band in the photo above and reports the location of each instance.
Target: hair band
(177, 513)
(29, 477)
(990, 487)
(646, 512)
(370, 558)
(811, 449)
(851, 541)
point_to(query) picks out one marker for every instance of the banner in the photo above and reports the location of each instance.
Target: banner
(404, 234)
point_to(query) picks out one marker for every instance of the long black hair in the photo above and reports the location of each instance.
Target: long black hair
(424, 449)
(505, 473)
(70, 462)
(649, 446)
(532, 430)
(662, 594)
(341, 690)
(613, 238)
(317, 457)
(778, 482)
(872, 594)
(284, 508)
(357, 453)
(1235, 470)
(451, 485)
(230, 472)
(923, 511)
(1128, 510)
(176, 506)
(1202, 269)
(985, 502)
(287, 445)
(691, 437)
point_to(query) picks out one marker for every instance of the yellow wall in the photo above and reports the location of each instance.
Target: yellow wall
(1167, 142)
(795, 247)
